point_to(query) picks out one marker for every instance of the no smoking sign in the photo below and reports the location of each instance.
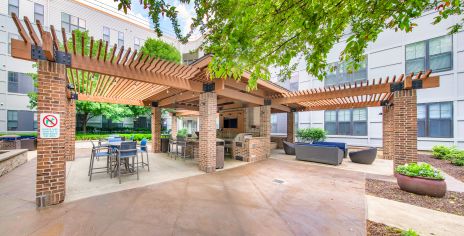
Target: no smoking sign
(49, 125)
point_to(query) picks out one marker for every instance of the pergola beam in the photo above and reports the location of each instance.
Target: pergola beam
(93, 98)
(178, 98)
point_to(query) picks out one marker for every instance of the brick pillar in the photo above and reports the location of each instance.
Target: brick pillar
(405, 127)
(71, 130)
(174, 125)
(265, 125)
(156, 129)
(207, 143)
(51, 163)
(291, 127)
(388, 128)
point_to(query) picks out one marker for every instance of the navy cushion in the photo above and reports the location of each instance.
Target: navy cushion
(339, 145)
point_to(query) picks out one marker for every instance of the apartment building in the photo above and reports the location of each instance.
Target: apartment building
(440, 111)
(100, 18)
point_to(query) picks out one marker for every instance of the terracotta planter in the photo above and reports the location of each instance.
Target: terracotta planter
(421, 186)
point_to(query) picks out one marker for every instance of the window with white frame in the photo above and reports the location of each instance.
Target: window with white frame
(435, 120)
(70, 23)
(106, 34)
(120, 39)
(339, 74)
(137, 43)
(434, 54)
(346, 122)
(13, 7)
(39, 13)
(11, 36)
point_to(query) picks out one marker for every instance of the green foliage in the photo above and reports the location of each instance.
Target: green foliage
(159, 49)
(251, 35)
(182, 133)
(137, 137)
(409, 232)
(441, 151)
(20, 134)
(311, 134)
(420, 170)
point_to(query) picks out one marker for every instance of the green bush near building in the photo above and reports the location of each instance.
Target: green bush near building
(311, 134)
(454, 155)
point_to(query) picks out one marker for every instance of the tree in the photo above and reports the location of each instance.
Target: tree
(252, 35)
(160, 49)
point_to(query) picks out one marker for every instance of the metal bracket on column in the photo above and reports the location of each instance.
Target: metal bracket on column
(267, 102)
(37, 53)
(62, 58)
(209, 87)
(386, 103)
(416, 84)
(293, 109)
(154, 104)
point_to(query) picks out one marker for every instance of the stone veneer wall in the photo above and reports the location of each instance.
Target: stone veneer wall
(252, 149)
(173, 126)
(11, 159)
(9, 145)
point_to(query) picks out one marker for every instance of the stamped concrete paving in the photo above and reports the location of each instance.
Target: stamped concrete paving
(312, 200)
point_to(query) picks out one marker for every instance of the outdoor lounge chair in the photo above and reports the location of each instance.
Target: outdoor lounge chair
(342, 146)
(366, 156)
(317, 153)
(289, 148)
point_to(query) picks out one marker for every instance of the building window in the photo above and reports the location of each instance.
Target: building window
(11, 36)
(39, 13)
(70, 23)
(13, 7)
(106, 34)
(120, 39)
(137, 43)
(435, 120)
(341, 75)
(346, 122)
(13, 82)
(12, 120)
(434, 54)
(35, 121)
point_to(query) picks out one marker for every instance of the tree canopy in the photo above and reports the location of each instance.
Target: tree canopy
(252, 35)
(160, 49)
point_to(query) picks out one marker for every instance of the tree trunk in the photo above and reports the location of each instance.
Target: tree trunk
(84, 122)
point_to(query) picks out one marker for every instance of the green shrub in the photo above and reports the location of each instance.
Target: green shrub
(182, 133)
(409, 232)
(137, 137)
(20, 134)
(311, 134)
(419, 170)
(441, 151)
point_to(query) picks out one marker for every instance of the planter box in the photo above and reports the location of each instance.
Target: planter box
(11, 159)
(421, 186)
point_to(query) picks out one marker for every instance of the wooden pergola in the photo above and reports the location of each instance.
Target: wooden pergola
(114, 74)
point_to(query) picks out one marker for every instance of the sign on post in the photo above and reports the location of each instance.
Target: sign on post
(49, 125)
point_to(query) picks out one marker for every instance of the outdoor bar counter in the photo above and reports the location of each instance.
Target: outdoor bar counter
(193, 147)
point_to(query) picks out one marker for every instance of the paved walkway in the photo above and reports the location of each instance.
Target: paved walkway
(405, 216)
(248, 200)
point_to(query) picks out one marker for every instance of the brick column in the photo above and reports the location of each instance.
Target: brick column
(291, 127)
(156, 129)
(173, 125)
(51, 163)
(70, 130)
(405, 127)
(388, 128)
(207, 143)
(265, 125)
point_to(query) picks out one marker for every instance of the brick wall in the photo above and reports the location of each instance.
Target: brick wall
(388, 128)
(291, 127)
(405, 127)
(71, 130)
(174, 126)
(51, 163)
(265, 125)
(207, 142)
(156, 129)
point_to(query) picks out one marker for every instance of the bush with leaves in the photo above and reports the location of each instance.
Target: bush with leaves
(423, 170)
(409, 232)
(311, 134)
(182, 133)
(441, 151)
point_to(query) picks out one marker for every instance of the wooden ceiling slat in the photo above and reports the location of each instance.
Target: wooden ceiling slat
(32, 33)
(56, 42)
(100, 42)
(127, 88)
(65, 40)
(147, 65)
(91, 47)
(105, 51)
(82, 45)
(20, 28)
(104, 88)
(126, 56)
(113, 53)
(121, 50)
(131, 59)
(112, 83)
(97, 86)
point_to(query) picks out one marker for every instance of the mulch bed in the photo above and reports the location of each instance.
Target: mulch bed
(444, 165)
(379, 229)
(453, 202)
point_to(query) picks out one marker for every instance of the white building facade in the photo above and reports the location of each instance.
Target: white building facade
(440, 110)
(101, 20)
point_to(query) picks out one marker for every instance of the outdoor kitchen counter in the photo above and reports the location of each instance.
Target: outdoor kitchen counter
(193, 144)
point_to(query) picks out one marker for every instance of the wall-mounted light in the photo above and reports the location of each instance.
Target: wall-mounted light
(71, 92)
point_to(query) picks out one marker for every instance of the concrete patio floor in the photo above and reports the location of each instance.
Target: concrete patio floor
(247, 200)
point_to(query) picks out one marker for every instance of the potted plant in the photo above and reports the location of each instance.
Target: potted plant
(421, 178)
(311, 135)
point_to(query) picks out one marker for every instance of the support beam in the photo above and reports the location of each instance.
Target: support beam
(388, 129)
(265, 126)
(207, 142)
(291, 127)
(173, 125)
(178, 98)
(237, 95)
(94, 98)
(156, 129)
(51, 159)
